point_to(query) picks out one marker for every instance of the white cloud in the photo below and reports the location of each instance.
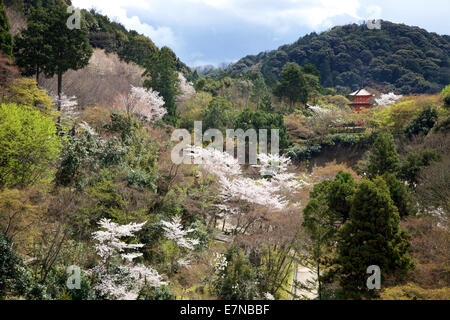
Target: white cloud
(281, 15)
(117, 10)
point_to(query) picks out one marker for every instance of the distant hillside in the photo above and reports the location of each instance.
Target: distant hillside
(402, 58)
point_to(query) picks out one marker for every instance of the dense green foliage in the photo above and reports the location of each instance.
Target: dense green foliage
(237, 281)
(446, 95)
(50, 46)
(164, 78)
(416, 161)
(218, 115)
(372, 236)
(262, 120)
(5, 36)
(30, 46)
(13, 277)
(408, 59)
(28, 146)
(292, 85)
(336, 196)
(383, 156)
(424, 122)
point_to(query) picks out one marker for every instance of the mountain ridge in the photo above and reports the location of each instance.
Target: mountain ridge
(406, 59)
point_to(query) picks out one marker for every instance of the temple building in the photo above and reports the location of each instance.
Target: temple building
(361, 99)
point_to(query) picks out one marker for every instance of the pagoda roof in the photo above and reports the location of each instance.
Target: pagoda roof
(361, 93)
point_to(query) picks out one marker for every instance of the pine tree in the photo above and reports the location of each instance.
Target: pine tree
(30, 48)
(5, 36)
(383, 156)
(164, 79)
(372, 236)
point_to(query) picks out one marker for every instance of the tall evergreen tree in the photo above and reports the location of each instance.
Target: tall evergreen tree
(30, 47)
(292, 85)
(383, 156)
(70, 49)
(163, 77)
(5, 36)
(372, 236)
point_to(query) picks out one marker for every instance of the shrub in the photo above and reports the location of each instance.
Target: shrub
(424, 122)
(29, 146)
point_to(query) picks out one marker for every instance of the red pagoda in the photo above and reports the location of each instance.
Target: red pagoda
(361, 99)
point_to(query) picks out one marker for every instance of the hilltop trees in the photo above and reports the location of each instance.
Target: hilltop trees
(292, 85)
(408, 58)
(5, 36)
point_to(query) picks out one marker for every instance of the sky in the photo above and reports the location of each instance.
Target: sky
(203, 32)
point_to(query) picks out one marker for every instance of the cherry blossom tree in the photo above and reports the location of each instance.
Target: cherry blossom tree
(214, 161)
(174, 231)
(69, 105)
(117, 277)
(146, 104)
(388, 99)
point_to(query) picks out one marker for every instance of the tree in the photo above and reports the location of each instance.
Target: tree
(117, 277)
(218, 115)
(411, 168)
(138, 49)
(236, 277)
(263, 120)
(5, 37)
(67, 49)
(30, 46)
(266, 104)
(292, 85)
(446, 95)
(12, 273)
(25, 92)
(400, 195)
(164, 78)
(147, 105)
(28, 146)
(372, 236)
(328, 209)
(383, 156)
(424, 122)
(259, 89)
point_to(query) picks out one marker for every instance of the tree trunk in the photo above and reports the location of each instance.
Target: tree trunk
(58, 125)
(37, 76)
(59, 90)
(319, 289)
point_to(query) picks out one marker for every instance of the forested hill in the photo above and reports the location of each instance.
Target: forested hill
(403, 58)
(109, 35)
